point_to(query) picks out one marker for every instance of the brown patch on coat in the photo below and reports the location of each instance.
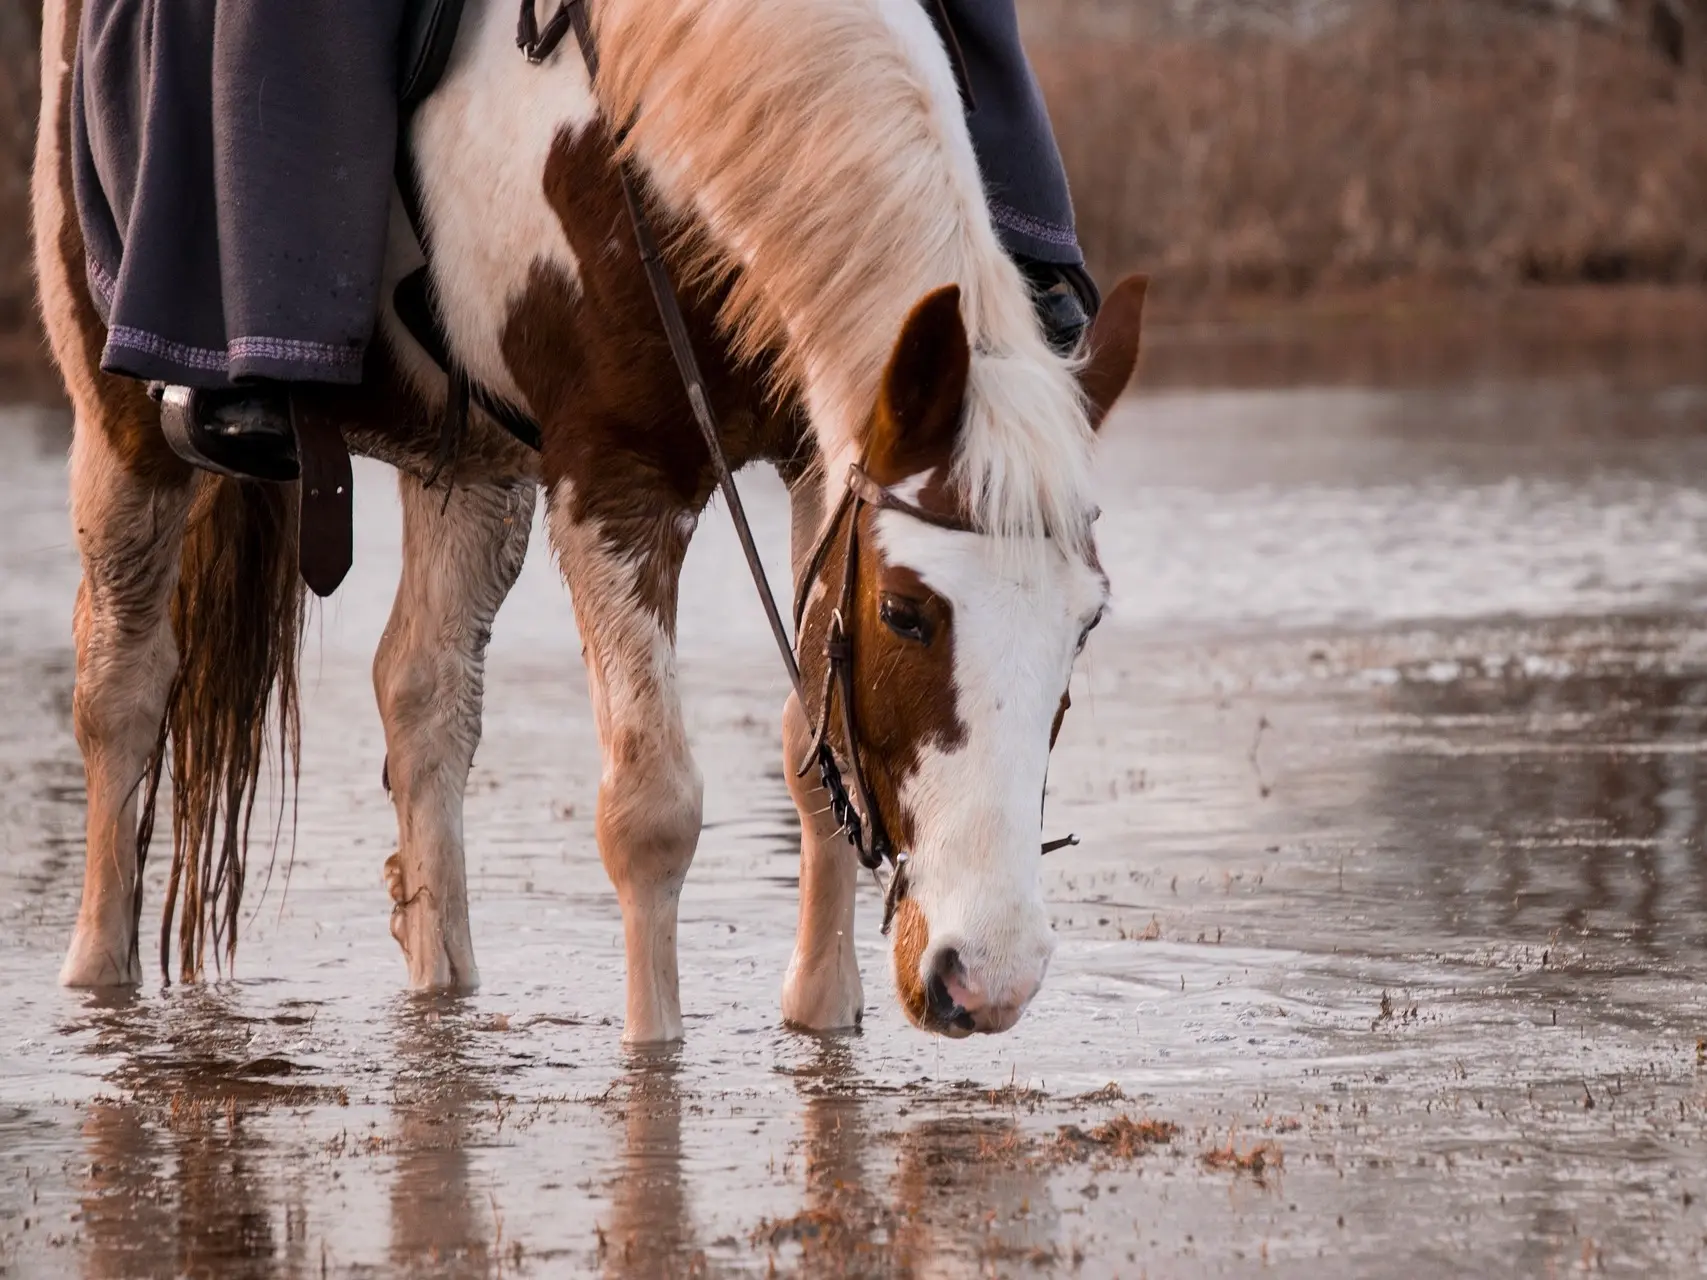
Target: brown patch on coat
(592, 359)
(1060, 717)
(904, 691)
(904, 696)
(912, 936)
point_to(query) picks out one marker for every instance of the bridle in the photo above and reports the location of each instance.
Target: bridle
(865, 826)
(862, 822)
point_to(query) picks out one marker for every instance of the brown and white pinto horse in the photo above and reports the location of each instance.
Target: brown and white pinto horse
(812, 168)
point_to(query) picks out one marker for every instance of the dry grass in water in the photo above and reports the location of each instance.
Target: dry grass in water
(1257, 1161)
(1121, 1138)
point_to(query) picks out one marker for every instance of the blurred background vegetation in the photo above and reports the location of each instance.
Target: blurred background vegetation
(1280, 146)
(21, 352)
(1288, 148)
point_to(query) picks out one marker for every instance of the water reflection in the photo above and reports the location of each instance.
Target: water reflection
(1573, 802)
(438, 1220)
(961, 1193)
(651, 1230)
(194, 1169)
(178, 1175)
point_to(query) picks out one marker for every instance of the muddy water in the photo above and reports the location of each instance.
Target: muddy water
(1392, 898)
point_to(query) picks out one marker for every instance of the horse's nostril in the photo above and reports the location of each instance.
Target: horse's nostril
(947, 963)
(937, 997)
(943, 1006)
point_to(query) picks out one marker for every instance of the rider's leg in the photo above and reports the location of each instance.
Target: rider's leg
(246, 150)
(1021, 164)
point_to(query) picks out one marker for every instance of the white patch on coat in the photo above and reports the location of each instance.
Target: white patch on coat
(975, 867)
(481, 144)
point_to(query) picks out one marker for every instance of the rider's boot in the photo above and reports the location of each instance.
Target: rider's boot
(246, 431)
(1066, 299)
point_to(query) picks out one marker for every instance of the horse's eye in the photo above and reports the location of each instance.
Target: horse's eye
(1085, 635)
(903, 617)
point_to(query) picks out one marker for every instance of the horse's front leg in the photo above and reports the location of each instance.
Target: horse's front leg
(822, 991)
(459, 562)
(622, 559)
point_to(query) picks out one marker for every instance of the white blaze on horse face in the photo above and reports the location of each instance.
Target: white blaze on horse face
(975, 870)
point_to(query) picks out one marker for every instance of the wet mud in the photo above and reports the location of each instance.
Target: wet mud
(1382, 953)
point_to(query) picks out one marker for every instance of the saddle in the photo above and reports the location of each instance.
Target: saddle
(429, 35)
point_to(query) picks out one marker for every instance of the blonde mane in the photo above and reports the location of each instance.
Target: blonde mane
(823, 147)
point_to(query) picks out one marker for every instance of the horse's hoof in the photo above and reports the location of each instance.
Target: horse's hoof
(664, 1032)
(97, 962)
(810, 1003)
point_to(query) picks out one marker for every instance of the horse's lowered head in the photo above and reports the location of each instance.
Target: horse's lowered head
(961, 644)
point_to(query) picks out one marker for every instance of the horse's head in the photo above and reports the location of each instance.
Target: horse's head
(960, 650)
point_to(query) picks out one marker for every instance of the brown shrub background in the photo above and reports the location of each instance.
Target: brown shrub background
(1279, 147)
(20, 31)
(1325, 144)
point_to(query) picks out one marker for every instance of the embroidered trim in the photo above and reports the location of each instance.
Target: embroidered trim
(104, 283)
(239, 348)
(294, 349)
(248, 348)
(1007, 216)
(154, 345)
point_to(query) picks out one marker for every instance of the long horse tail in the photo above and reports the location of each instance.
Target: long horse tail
(238, 618)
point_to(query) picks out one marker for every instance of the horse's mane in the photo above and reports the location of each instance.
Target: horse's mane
(823, 147)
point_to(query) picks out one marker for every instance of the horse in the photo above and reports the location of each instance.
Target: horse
(809, 167)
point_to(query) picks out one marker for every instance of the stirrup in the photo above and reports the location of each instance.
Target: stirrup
(181, 411)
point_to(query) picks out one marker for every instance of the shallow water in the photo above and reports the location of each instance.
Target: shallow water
(1389, 773)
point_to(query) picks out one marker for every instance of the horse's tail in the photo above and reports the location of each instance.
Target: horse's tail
(237, 615)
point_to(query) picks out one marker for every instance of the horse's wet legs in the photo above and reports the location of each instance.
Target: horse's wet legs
(129, 533)
(459, 562)
(822, 991)
(623, 581)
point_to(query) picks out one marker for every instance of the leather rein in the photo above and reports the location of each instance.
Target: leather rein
(861, 821)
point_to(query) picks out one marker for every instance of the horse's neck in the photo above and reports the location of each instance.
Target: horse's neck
(823, 147)
(832, 168)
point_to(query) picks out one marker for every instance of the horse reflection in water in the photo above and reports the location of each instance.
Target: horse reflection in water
(441, 1106)
(856, 317)
(193, 1170)
(180, 1179)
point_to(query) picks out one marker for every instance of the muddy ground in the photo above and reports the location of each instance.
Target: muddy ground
(1382, 955)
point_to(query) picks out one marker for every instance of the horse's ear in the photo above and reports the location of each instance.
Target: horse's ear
(924, 390)
(1113, 347)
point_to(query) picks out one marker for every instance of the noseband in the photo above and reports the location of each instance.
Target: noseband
(863, 823)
